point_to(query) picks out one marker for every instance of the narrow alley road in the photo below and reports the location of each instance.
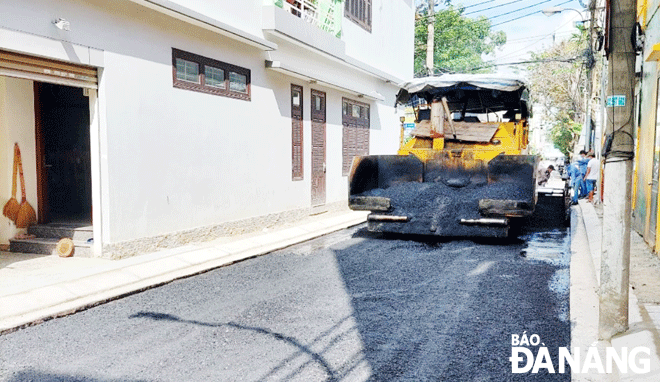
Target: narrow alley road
(350, 306)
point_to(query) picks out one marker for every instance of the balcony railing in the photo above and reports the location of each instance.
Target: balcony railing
(324, 14)
(305, 9)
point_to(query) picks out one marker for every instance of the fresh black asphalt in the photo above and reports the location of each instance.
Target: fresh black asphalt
(350, 306)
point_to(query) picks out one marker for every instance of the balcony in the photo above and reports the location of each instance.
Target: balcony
(323, 14)
(305, 23)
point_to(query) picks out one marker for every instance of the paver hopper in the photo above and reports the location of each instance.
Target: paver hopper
(464, 171)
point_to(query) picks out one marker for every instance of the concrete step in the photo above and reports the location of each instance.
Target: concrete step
(46, 246)
(57, 231)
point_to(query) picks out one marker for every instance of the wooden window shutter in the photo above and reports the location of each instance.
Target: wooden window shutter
(355, 132)
(296, 132)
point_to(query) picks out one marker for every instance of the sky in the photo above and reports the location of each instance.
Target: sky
(526, 27)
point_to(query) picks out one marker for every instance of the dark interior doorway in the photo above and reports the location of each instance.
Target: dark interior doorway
(63, 154)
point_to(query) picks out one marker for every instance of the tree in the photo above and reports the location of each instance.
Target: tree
(459, 41)
(565, 134)
(558, 82)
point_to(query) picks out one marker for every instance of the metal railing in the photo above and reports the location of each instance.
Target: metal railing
(305, 9)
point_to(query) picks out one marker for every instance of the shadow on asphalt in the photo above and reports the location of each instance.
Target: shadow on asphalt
(433, 308)
(302, 349)
(35, 375)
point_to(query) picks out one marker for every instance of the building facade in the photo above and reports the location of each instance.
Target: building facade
(162, 122)
(647, 133)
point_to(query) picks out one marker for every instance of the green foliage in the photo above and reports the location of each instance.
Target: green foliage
(459, 41)
(558, 83)
(565, 134)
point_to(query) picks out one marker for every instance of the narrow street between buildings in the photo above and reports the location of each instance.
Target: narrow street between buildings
(350, 306)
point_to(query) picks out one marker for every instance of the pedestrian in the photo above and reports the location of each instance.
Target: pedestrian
(591, 177)
(582, 165)
(575, 178)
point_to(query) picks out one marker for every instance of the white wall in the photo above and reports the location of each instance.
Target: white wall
(390, 44)
(242, 14)
(16, 126)
(175, 159)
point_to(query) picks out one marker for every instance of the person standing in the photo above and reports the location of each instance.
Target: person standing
(591, 177)
(582, 165)
(575, 177)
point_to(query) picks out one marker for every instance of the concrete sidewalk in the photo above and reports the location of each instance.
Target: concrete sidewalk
(34, 288)
(644, 301)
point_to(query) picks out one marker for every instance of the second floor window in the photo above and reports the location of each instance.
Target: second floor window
(359, 11)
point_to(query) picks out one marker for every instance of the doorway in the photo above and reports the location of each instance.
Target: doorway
(62, 121)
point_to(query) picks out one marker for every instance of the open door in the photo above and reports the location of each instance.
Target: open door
(62, 122)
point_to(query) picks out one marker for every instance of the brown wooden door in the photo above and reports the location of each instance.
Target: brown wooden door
(318, 147)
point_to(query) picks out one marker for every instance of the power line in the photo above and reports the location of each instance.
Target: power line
(536, 36)
(417, 18)
(570, 59)
(493, 7)
(463, 7)
(535, 42)
(529, 14)
(520, 9)
(477, 4)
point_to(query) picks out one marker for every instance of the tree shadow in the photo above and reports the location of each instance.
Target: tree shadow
(447, 309)
(41, 376)
(301, 348)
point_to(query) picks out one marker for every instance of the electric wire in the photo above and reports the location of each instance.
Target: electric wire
(461, 8)
(620, 155)
(493, 7)
(521, 9)
(537, 41)
(478, 4)
(520, 17)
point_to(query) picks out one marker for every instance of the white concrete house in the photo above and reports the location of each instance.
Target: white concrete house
(160, 122)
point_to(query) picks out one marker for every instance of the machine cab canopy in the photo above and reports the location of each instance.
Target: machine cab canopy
(469, 93)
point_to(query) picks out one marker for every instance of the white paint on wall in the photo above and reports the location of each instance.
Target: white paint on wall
(171, 159)
(389, 45)
(16, 126)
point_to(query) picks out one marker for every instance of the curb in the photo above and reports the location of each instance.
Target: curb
(137, 274)
(594, 230)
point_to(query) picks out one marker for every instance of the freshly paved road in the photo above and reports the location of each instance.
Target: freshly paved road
(345, 307)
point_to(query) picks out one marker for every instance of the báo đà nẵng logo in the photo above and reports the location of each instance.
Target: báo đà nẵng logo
(530, 355)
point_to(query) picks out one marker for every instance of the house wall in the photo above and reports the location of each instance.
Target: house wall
(389, 44)
(646, 140)
(178, 165)
(16, 126)
(242, 14)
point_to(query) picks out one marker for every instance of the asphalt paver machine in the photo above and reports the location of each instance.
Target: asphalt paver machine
(465, 169)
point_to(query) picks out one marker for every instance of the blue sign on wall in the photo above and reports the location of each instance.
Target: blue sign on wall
(616, 101)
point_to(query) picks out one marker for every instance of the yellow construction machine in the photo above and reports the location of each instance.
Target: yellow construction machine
(465, 170)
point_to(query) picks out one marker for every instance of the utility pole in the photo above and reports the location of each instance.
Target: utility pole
(590, 64)
(615, 257)
(430, 38)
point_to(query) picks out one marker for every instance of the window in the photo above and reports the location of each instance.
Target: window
(202, 74)
(237, 82)
(359, 11)
(355, 133)
(296, 132)
(214, 77)
(187, 71)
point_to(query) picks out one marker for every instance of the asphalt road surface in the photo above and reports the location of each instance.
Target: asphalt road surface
(349, 306)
